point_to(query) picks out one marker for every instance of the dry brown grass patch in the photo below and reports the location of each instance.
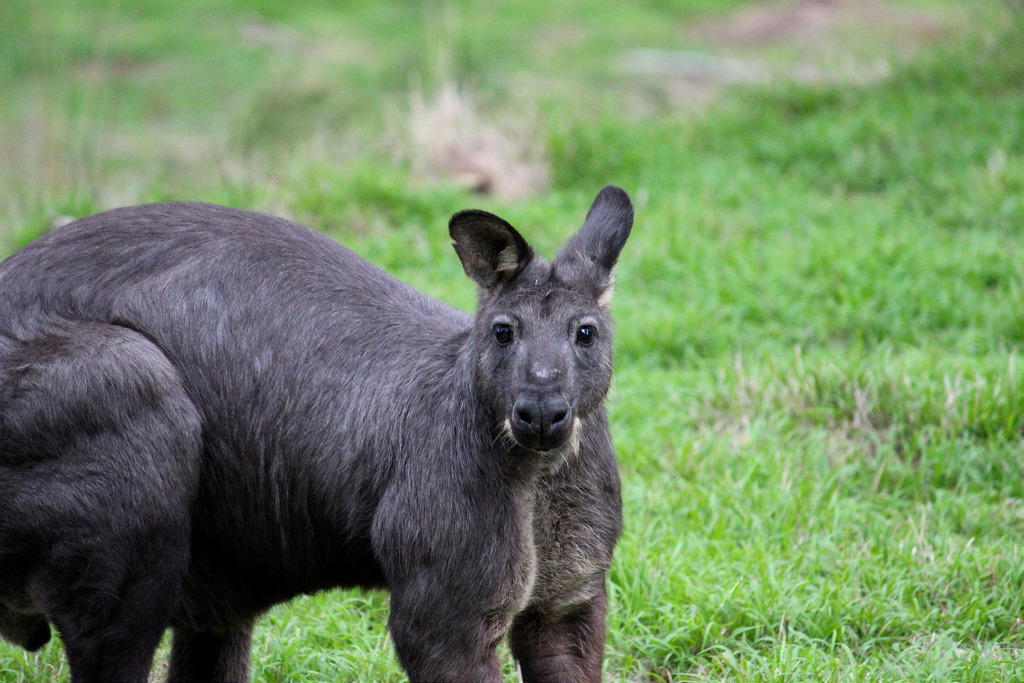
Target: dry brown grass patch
(448, 137)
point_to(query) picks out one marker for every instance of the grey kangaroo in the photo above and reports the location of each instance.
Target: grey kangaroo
(206, 411)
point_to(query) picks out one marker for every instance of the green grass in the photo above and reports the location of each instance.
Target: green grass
(819, 399)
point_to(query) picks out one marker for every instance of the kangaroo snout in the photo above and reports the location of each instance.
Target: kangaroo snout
(541, 423)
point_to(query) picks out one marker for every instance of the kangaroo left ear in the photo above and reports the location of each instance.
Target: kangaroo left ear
(597, 244)
(492, 251)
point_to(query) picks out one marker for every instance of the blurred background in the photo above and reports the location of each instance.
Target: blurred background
(819, 402)
(108, 102)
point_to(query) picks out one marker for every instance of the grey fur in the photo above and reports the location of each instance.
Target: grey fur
(207, 411)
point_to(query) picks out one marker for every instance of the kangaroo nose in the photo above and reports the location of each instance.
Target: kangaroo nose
(541, 416)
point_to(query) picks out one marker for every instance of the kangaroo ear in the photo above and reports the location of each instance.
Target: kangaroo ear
(595, 247)
(491, 251)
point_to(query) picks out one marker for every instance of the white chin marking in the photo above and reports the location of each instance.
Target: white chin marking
(574, 438)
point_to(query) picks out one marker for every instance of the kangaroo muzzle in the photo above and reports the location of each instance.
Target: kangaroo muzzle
(541, 424)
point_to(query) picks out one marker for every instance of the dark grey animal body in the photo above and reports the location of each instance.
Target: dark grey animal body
(206, 411)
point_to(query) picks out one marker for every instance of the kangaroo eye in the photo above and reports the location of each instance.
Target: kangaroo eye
(503, 334)
(585, 335)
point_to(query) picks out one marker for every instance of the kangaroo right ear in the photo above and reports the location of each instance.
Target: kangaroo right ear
(491, 251)
(591, 253)
(604, 231)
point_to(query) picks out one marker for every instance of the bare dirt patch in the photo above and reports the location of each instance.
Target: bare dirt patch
(806, 41)
(817, 26)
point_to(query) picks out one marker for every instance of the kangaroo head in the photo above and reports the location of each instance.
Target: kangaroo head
(542, 334)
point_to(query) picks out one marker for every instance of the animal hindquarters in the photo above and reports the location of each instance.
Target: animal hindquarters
(99, 459)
